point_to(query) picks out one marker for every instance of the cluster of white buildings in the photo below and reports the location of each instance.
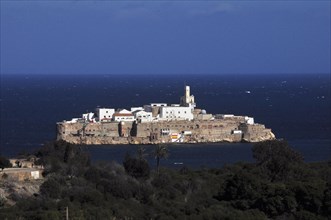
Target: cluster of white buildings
(153, 112)
(146, 113)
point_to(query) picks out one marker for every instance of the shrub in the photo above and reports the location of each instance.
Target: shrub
(51, 188)
(275, 158)
(135, 167)
(4, 163)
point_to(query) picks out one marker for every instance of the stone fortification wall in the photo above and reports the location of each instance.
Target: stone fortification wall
(256, 133)
(200, 131)
(94, 133)
(104, 129)
(195, 131)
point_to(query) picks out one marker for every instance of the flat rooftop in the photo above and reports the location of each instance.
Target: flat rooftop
(16, 170)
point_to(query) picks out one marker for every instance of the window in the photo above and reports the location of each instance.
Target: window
(106, 111)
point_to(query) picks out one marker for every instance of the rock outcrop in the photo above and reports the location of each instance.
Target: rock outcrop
(13, 191)
(196, 131)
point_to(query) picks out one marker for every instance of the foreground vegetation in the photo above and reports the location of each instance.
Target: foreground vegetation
(278, 186)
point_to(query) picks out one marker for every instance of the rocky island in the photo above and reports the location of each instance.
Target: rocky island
(157, 123)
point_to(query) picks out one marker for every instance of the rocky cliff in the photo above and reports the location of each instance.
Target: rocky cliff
(195, 131)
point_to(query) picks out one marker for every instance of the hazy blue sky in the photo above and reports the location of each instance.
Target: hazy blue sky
(156, 37)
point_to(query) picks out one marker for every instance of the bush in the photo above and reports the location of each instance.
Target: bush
(4, 163)
(135, 167)
(269, 189)
(161, 180)
(276, 158)
(51, 188)
(241, 186)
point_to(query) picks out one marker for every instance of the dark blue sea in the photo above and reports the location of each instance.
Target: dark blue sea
(296, 107)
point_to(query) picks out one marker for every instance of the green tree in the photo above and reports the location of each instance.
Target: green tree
(51, 188)
(136, 167)
(276, 158)
(161, 151)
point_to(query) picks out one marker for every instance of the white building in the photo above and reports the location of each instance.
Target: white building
(143, 116)
(73, 120)
(105, 114)
(154, 108)
(159, 104)
(88, 117)
(249, 120)
(176, 113)
(124, 111)
(224, 116)
(133, 109)
(123, 115)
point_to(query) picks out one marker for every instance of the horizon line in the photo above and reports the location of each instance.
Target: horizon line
(161, 74)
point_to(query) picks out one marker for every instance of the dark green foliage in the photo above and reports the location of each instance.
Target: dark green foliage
(161, 180)
(161, 151)
(4, 163)
(136, 167)
(327, 200)
(289, 189)
(51, 188)
(310, 195)
(120, 188)
(276, 158)
(63, 157)
(93, 174)
(242, 186)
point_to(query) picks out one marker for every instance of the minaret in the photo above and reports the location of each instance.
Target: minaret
(187, 94)
(187, 99)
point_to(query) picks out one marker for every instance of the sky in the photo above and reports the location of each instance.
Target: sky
(164, 37)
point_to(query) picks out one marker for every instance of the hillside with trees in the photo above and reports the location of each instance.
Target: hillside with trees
(279, 185)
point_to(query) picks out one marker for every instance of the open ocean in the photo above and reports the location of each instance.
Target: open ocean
(296, 108)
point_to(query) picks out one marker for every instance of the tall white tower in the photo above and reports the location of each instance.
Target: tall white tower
(188, 99)
(187, 94)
